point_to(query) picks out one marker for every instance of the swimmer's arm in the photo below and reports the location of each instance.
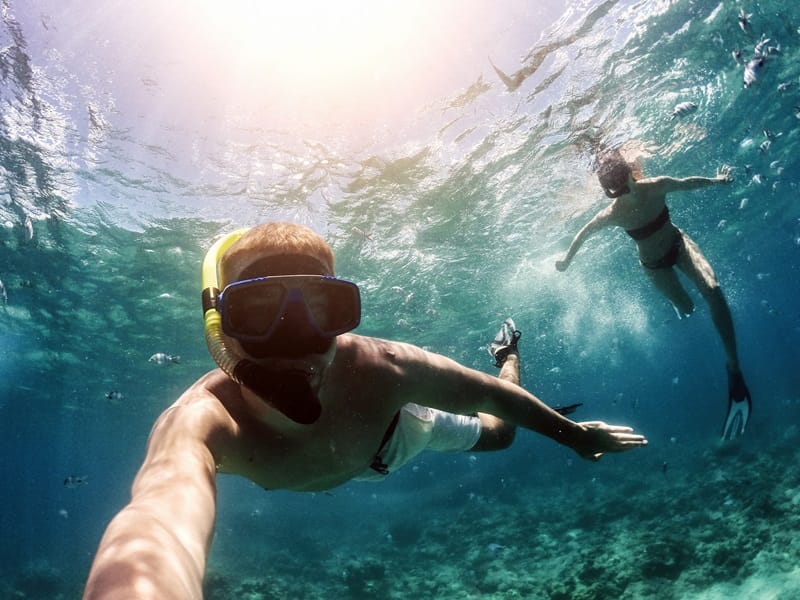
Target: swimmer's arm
(665, 185)
(598, 222)
(156, 547)
(590, 440)
(451, 387)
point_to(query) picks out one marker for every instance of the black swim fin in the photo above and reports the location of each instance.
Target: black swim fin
(505, 342)
(567, 410)
(739, 406)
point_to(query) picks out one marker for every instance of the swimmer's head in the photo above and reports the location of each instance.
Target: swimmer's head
(279, 308)
(613, 173)
(277, 248)
(281, 299)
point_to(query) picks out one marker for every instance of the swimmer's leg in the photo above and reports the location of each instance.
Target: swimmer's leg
(497, 434)
(666, 281)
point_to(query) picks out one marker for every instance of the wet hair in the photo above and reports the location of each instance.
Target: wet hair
(277, 248)
(613, 170)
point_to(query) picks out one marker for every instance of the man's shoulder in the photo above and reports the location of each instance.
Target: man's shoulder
(213, 393)
(367, 349)
(204, 408)
(214, 384)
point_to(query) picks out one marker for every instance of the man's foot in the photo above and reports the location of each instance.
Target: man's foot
(739, 406)
(505, 342)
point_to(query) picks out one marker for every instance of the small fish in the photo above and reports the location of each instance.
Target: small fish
(785, 85)
(683, 109)
(362, 233)
(3, 293)
(494, 548)
(664, 467)
(744, 20)
(114, 395)
(73, 482)
(752, 70)
(764, 146)
(737, 55)
(160, 358)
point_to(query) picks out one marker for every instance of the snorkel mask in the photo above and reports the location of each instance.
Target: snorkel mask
(616, 192)
(287, 316)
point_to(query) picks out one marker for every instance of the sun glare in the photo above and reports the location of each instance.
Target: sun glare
(311, 34)
(313, 46)
(354, 65)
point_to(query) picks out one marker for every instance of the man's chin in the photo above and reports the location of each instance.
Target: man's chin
(288, 391)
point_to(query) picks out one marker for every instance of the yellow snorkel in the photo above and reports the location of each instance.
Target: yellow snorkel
(300, 406)
(215, 340)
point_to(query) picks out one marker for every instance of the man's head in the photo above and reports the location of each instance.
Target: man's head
(280, 299)
(613, 174)
(273, 326)
(276, 249)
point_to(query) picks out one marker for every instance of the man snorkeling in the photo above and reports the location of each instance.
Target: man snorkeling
(299, 403)
(639, 206)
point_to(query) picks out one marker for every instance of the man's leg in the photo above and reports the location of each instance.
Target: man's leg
(496, 434)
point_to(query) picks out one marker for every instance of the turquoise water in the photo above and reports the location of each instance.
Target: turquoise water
(129, 140)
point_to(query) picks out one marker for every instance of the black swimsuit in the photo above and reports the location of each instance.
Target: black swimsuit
(670, 257)
(377, 462)
(645, 231)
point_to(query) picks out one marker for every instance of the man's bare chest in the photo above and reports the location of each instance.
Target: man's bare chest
(311, 458)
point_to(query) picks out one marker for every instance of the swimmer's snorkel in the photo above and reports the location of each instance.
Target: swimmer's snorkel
(289, 394)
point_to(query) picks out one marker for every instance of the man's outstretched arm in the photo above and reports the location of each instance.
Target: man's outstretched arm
(444, 384)
(156, 547)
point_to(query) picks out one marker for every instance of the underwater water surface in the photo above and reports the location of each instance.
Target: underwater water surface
(132, 136)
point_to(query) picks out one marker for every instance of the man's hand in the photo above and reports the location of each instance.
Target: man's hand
(599, 438)
(724, 174)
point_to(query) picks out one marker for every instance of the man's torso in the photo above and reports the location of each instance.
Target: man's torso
(360, 394)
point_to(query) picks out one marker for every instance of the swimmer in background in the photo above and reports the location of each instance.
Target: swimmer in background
(639, 206)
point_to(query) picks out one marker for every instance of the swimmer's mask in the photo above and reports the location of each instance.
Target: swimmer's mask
(285, 316)
(253, 310)
(616, 192)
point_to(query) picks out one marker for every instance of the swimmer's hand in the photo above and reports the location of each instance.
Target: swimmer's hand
(599, 438)
(724, 174)
(561, 265)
